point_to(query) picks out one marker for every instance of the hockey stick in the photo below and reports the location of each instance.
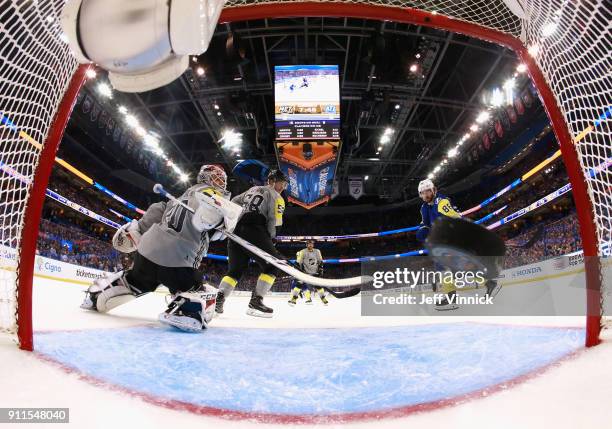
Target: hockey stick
(339, 295)
(281, 264)
(343, 294)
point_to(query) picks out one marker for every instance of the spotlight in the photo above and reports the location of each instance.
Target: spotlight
(105, 90)
(497, 98)
(533, 50)
(482, 117)
(131, 120)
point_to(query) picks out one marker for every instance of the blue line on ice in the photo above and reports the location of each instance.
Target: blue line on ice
(310, 370)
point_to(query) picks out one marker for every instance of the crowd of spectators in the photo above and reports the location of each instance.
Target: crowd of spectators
(69, 236)
(67, 244)
(87, 197)
(544, 242)
(536, 187)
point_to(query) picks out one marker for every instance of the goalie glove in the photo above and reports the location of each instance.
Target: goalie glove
(208, 215)
(127, 237)
(215, 211)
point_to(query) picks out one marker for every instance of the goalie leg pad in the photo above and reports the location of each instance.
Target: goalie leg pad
(107, 293)
(191, 311)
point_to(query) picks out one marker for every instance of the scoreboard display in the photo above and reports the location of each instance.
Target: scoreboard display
(307, 102)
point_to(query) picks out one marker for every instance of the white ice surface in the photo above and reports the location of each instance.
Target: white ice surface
(576, 393)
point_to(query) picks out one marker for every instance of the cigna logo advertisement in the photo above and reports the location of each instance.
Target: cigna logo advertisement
(43, 265)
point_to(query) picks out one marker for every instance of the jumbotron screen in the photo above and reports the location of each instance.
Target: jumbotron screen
(307, 102)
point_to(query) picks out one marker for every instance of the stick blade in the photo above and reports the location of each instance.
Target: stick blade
(344, 294)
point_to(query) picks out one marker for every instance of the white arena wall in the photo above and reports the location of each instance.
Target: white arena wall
(562, 276)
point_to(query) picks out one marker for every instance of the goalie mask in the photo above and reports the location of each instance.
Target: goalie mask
(214, 176)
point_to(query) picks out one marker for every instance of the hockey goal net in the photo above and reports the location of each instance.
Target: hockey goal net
(565, 45)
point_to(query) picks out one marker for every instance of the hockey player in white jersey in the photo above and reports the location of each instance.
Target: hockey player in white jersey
(310, 261)
(169, 242)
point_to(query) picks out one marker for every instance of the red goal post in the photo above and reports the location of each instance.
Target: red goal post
(39, 82)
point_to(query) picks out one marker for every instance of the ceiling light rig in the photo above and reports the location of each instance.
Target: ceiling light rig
(386, 137)
(231, 141)
(91, 73)
(499, 97)
(150, 139)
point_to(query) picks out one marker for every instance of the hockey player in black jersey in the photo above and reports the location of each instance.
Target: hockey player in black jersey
(263, 208)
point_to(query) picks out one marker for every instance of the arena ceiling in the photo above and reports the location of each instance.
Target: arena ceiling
(427, 107)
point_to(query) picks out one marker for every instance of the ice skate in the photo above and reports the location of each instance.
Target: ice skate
(257, 308)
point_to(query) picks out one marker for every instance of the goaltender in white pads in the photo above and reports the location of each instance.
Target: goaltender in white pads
(170, 241)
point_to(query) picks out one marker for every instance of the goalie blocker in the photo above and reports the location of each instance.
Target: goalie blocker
(460, 245)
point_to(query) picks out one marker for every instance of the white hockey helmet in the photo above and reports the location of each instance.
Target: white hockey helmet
(425, 185)
(213, 175)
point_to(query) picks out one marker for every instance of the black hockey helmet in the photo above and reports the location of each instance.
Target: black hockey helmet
(277, 176)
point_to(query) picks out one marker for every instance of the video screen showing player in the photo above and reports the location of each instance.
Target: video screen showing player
(307, 102)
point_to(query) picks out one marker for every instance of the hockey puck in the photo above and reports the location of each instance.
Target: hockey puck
(458, 244)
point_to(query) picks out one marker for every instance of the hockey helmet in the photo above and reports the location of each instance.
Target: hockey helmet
(277, 176)
(425, 185)
(213, 175)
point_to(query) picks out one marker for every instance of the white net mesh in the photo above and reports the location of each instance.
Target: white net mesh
(573, 52)
(488, 13)
(571, 43)
(35, 69)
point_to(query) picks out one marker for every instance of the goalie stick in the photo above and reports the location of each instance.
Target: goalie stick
(281, 264)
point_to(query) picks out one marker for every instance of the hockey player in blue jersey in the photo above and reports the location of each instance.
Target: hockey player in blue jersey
(436, 205)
